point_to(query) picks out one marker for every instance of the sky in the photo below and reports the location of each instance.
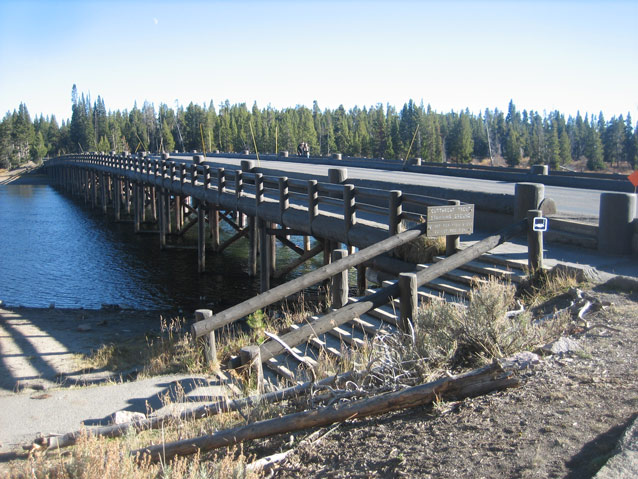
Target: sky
(565, 55)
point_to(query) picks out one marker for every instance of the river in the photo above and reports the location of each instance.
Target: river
(57, 250)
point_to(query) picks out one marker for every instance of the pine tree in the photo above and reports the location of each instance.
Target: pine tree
(593, 149)
(512, 147)
(461, 144)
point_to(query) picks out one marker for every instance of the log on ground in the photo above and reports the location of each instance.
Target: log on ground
(480, 381)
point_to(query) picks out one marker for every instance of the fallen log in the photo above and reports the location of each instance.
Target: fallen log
(55, 441)
(474, 383)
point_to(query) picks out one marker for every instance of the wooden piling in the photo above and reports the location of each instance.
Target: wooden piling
(213, 224)
(117, 197)
(137, 205)
(264, 256)
(201, 237)
(252, 246)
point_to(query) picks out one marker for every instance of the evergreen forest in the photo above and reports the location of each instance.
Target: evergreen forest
(379, 131)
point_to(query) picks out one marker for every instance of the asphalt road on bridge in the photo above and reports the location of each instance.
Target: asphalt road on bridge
(571, 202)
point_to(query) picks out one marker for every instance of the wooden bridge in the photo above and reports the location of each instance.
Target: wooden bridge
(368, 223)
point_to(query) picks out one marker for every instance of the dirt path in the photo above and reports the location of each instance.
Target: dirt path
(563, 422)
(39, 347)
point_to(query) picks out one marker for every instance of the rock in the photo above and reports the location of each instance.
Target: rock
(547, 207)
(523, 360)
(624, 462)
(625, 283)
(561, 346)
(585, 273)
(110, 307)
(84, 328)
(122, 417)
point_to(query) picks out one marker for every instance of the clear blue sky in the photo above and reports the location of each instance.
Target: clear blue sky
(565, 55)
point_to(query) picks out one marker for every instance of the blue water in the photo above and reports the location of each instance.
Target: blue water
(55, 249)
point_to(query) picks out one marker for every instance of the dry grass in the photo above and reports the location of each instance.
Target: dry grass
(420, 250)
(172, 351)
(99, 458)
(446, 337)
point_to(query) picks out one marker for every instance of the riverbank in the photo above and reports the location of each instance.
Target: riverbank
(564, 421)
(29, 174)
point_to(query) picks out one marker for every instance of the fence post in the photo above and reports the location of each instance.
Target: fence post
(251, 357)
(210, 346)
(534, 242)
(339, 282)
(408, 300)
(452, 242)
(528, 196)
(615, 228)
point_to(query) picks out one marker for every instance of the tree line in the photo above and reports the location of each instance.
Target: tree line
(380, 131)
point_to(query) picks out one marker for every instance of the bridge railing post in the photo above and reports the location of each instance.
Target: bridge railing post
(395, 211)
(284, 198)
(221, 184)
(313, 202)
(259, 189)
(349, 209)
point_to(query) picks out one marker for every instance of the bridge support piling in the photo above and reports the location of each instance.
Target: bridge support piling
(103, 179)
(179, 213)
(93, 189)
(213, 224)
(161, 220)
(264, 256)
(167, 212)
(117, 198)
(127, 196)
(143, 196)
(252, 246)
(153, 194)
(138, 200)
(201, 237)
(273, 250)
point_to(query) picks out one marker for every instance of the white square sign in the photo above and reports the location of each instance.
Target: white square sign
(540, 224)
